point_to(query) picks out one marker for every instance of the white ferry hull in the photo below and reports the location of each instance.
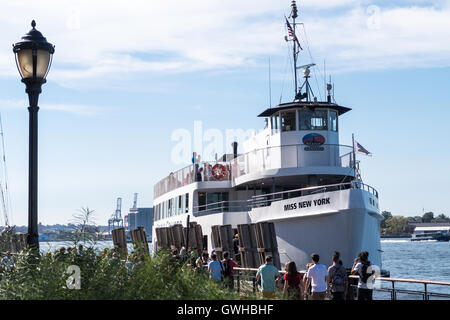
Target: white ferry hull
(345, 221)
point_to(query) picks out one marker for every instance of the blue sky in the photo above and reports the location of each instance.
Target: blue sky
(125, 77)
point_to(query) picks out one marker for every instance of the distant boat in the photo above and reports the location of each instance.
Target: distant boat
(432, 233)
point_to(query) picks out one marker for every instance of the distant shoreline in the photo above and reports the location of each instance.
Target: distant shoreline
(395, 237)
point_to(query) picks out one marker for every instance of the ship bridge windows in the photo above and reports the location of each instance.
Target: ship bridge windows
(313, 120)
(288, 122)
(333, 120)
(274, 123)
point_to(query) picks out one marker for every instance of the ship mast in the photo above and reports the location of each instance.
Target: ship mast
(298, 95)
(294, 15)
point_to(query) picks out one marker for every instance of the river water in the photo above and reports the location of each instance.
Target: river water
(424, 260)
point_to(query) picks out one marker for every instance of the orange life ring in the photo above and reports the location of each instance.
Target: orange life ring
(219, 171)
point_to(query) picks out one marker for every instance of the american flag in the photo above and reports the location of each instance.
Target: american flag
(291, 33)
(360, 149)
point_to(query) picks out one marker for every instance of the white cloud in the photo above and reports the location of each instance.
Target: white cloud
(81, 110)
(96, 39)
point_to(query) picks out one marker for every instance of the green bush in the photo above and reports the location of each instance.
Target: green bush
(44, 276)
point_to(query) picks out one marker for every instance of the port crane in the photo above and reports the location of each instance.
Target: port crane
(116, 220)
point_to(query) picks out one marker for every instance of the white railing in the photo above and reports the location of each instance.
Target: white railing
(264, 200)
(288, 156)
(193, 173)
(292, 156)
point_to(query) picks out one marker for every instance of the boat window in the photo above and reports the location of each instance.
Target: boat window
(180, 205)
(201, 201)
(313, 120)
(183, 204)
(288, 121)
(274, 123)
(333, 121)
(169, 208)
(187, 203)
(217, 200)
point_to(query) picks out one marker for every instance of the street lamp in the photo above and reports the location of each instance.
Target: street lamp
(33, 58)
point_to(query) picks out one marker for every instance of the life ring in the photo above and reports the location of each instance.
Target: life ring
(219, 171)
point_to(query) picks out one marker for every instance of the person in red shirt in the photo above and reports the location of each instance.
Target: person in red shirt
(293, 284)
(227, 272)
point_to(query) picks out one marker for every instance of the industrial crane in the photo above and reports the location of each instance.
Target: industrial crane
(116, 220)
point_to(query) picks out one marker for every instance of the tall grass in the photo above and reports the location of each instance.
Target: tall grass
(44, 276)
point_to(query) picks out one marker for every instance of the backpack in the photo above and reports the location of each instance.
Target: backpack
(364, 274)
(227, 269)
(339, 277)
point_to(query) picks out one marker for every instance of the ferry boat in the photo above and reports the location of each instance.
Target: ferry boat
(431, 233)
(294, 173)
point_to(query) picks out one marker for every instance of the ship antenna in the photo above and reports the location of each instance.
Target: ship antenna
(294, 15)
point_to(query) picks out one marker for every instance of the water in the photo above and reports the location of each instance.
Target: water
(423, 260)
(99, 245)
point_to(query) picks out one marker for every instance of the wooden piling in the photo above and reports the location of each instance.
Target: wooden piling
(267, 243)
(248, 246)
(223, 240)
(139, 238)
(120, 240)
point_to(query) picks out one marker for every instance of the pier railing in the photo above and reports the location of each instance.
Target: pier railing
(248, 275)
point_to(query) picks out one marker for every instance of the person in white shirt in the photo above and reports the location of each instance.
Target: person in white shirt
(317, 276)
(361, 267)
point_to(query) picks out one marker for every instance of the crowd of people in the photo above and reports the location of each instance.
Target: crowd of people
(319, 282)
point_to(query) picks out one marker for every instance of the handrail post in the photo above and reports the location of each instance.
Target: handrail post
(426, 292)
(394, 296)
(238, 280)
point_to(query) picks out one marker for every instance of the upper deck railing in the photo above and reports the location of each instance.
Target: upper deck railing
(292, 156)
(193, 173)
(288, 156)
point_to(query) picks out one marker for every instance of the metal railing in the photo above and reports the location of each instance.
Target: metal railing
(287, 156)
(266, 199)
(291, 156)
(222, 206)
(249, 275)
(198, 172)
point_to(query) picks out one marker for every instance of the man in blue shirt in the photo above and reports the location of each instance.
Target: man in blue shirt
(215, 268)
(269, 276)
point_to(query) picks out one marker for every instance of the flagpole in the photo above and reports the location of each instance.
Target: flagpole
(354, 153)
(294, 15)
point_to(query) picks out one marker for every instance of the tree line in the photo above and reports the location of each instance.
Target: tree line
(402, 226)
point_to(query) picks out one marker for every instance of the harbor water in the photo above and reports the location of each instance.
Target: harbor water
(422, 260)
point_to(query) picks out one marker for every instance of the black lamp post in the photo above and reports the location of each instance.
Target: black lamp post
(33, 58)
